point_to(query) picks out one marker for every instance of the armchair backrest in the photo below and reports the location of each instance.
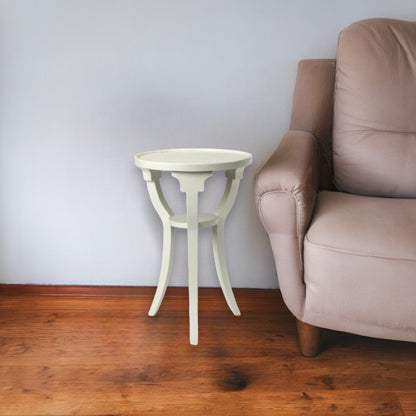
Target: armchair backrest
(374, 125)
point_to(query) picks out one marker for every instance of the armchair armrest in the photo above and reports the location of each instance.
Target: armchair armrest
(285, 188)
(293, 168)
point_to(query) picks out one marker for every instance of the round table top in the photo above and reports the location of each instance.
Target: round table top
(193, 160)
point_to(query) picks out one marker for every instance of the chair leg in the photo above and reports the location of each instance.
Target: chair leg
(309, 339)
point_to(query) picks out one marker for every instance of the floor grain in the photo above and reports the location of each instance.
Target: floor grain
(97, 353)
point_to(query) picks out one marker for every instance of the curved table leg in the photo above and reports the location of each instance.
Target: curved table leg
(228, 199)
(152, 178)
(221, 265)
(167, 254)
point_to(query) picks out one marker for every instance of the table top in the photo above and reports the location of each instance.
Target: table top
(193, 160)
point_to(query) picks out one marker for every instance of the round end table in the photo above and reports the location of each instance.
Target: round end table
(191, 167)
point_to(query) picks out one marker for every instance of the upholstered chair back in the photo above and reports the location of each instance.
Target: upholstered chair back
(374, 130)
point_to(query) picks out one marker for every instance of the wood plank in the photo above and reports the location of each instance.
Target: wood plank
(248, 295)
(408, 402)
(74, 290)
(131, 401)
(102, 355)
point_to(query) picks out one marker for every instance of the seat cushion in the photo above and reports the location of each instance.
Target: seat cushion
(360, 265)
(374, 132)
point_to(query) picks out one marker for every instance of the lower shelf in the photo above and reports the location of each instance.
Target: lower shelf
(204, 220)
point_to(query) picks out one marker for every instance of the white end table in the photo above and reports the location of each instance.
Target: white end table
(192, 167)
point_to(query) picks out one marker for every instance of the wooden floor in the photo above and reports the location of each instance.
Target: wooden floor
(89, 352)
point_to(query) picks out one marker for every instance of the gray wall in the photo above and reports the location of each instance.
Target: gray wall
(86, 84)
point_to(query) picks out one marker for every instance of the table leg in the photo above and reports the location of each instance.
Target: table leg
(152, 179)
(167, 254)
(192, 213)
(192, 183)
(221, 265)
(233, 180)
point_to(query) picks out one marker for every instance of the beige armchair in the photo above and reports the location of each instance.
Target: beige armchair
(338, 196)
